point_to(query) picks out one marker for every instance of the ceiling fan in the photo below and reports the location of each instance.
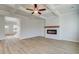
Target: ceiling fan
(36, 9)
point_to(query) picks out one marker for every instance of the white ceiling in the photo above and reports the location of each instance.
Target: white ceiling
(52, 10)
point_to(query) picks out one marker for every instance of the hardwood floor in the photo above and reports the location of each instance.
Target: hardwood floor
(39, 45)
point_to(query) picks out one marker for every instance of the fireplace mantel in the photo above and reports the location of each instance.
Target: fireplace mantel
(51, 26)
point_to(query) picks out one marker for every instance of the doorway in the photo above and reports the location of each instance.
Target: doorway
(12, 27)
(12, 30)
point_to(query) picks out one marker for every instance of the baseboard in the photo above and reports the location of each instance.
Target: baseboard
(72, 40)
(64, 39)
(29, 37)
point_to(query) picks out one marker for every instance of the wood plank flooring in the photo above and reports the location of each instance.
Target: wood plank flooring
(39, 45)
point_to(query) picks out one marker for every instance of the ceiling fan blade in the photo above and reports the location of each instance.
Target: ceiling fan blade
(29, 9)
(32, 12)
(42, 9)
(35, 5)
(39, 13)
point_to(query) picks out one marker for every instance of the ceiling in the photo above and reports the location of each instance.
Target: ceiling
(52, 10)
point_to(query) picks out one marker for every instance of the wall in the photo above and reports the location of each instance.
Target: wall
(52, 22)
(69, 29)
(31, 27)
(1, 27)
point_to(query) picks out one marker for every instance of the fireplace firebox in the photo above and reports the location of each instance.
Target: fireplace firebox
(51, 31)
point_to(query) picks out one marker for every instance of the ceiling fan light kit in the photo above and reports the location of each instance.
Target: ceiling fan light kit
(36, 10)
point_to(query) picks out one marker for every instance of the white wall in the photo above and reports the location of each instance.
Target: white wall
(69, 29)
(1, 27)
(53, 22)
(31, 27)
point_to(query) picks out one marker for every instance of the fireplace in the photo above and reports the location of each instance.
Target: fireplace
(51, 31)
